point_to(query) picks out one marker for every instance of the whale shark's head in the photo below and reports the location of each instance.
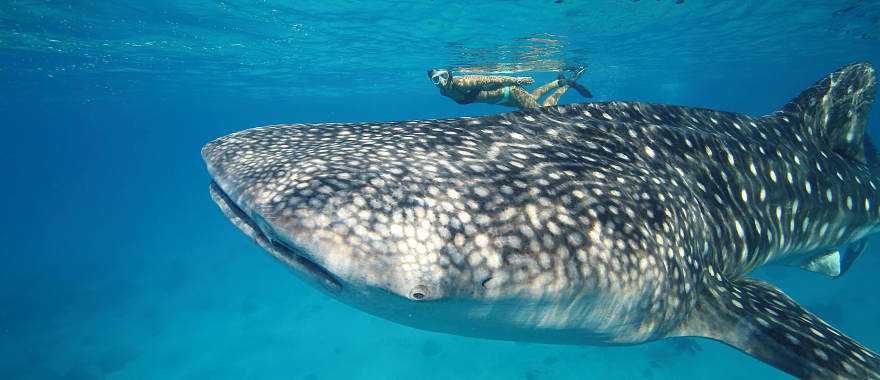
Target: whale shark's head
(431, 225)
(354, 218)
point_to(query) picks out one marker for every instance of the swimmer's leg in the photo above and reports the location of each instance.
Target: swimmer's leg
(553, 98)
(522, 99)
(540, 91)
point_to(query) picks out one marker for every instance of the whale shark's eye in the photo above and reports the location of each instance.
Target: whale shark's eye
(485, 283)
(419, 292)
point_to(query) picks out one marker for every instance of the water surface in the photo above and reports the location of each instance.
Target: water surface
(116, 264)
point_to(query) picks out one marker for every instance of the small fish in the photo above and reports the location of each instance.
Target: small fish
(598, 223)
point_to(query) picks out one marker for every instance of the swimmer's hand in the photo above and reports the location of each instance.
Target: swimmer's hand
(524, 81)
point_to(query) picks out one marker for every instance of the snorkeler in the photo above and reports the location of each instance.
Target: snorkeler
(503, 90)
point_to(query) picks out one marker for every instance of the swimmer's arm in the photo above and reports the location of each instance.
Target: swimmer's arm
(488, 82)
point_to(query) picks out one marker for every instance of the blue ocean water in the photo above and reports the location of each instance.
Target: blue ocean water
(116, 263)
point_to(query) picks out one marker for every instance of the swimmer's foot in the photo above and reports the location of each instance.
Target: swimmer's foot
(572, 82)
(577, 73)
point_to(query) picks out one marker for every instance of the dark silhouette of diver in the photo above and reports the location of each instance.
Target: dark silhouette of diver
(503, 90)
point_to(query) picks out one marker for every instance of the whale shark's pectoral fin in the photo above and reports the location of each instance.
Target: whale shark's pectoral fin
(836, 263)
(762, 321)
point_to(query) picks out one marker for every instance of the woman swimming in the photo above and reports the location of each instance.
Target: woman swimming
(503, 90)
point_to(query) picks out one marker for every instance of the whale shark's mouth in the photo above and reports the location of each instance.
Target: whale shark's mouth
(292, 255)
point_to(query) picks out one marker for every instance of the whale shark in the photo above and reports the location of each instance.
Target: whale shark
(607, 223)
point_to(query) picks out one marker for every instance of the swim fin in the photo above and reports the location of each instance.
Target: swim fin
(572, 82)
(581, 89)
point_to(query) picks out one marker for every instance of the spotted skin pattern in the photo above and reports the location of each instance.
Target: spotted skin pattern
(600, 223)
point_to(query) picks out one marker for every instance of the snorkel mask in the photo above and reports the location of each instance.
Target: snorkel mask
(439, 77)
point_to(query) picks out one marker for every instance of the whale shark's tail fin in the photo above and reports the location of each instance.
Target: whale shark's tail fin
(762, 321)
(834, 111)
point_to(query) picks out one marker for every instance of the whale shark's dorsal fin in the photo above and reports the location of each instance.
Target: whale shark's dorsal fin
(763, 322)
(834, 112)
(835, 109)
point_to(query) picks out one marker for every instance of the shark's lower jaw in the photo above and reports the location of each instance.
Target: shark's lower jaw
(291, 255)
(303, 263)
